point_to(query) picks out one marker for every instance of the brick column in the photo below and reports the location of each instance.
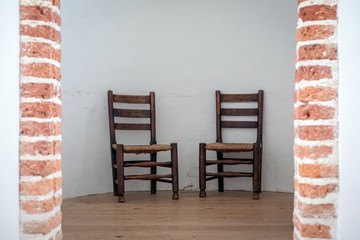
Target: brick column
(316, 121)
(40, 123)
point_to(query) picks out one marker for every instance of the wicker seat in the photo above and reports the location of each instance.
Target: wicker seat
(141, 149)
(223, 111)
(121, 107)
(230, 147)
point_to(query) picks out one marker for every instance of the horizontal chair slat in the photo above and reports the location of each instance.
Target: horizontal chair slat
(137, 99)
(239, 111)
(239, 124)
(239, 97)
(131, 113)
(132, 126)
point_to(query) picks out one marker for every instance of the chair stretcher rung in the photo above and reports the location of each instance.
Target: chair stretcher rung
(164, 180)
(147, 164)
(147, 177)
(229, 161)
(230, 174)
(159, 180)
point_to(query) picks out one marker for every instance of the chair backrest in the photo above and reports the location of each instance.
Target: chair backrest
(221, 111)
(120, 118)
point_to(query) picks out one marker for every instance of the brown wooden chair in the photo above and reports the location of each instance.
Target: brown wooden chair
(122, 114)
(241, 113)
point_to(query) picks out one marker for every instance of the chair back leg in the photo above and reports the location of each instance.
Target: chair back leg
(114, 171)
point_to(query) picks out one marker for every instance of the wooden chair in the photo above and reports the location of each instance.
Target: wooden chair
(123, 119)
(221, 148)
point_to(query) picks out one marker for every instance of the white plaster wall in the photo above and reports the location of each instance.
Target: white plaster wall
(184, 51)
(349, 98)
(9, 127)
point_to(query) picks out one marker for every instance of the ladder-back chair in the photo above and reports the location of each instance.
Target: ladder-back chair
(122, 116)
(242, 115)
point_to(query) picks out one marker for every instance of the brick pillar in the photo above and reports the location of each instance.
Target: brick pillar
(316, 121)
(40, 123)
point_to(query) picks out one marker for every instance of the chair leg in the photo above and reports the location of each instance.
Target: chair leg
(114, 171)
(120, 172)
(153, 157)
(202, 169)
(260, 167)
(220, 168)
(174, 171)
(256, 172)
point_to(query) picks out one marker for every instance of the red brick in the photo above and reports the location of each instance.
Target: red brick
(31, 129)
(42, 227)
(40, 110)
(312, 152)
(313, 112)
(41, 70)
(315, 210)
(57, 184)
(318, 170)
(318, 12)
(40, 148)
(39, 90)
(315, 133)
(318, 52)
(312, 230)
(39, 168)
(311, 73)
(308, 94)
(56, 3)
(314, 191)
(315, 32)
(39, 13)
(42, 187)
(36, 207)
(40, 31)
(40, 50)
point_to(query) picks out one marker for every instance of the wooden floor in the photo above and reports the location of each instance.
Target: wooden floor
(221, 216)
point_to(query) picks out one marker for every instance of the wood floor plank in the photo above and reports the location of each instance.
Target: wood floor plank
(228, 215)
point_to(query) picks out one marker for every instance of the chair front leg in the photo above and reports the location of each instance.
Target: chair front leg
(153, 158)
(120, 172)
(202, 169)
(256, 171)
(220, 168)
(260, 167)
(174, 171)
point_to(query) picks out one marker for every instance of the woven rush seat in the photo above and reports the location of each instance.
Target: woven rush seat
(145, 148)
(230, 147)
